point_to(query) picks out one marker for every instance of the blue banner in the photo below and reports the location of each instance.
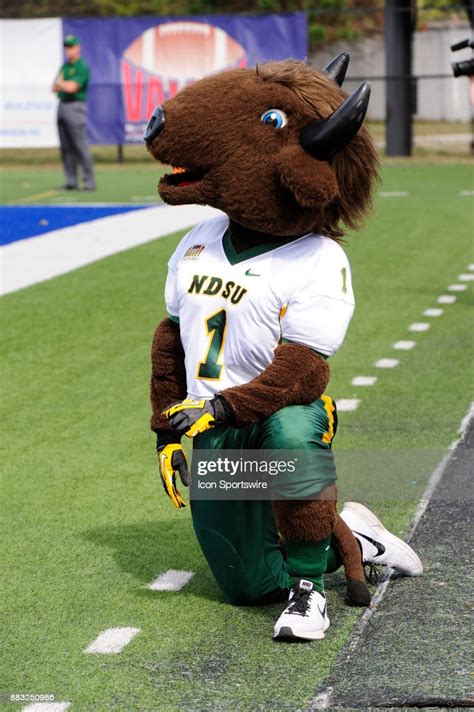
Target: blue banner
(136, 63)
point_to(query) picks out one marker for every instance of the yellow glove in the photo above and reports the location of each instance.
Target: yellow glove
(172, 460)
(191, 417)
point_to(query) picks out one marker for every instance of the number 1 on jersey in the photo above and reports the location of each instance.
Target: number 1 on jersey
(210, 368)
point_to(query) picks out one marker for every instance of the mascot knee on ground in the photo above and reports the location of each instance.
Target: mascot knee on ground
(258, 299)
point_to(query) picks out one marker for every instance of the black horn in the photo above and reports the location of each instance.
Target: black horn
(155, 125)
(324, 138)
(337, 67)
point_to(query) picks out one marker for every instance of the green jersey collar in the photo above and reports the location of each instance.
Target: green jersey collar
(235, 257)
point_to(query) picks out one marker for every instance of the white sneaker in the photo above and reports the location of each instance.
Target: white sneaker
(306, 614)
(378, 545)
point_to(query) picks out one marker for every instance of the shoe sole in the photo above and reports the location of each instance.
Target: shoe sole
(286, 633)
(373, 521)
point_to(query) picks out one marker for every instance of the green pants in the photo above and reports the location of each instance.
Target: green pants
(239, 538)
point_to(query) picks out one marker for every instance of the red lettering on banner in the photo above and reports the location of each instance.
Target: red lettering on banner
(133, 92)
(173, 88)
(154, 96)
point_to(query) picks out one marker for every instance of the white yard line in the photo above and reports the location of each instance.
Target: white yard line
(46, 707)
(37, 259)
(345, 405)
(438, 472)
(387, 363)
(364, 380)
(433, 312)
(404, 345)
(171, 580)
(419, 326)
(112, 640)
(446, 299)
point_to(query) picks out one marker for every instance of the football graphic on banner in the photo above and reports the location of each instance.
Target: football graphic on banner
(167, 57)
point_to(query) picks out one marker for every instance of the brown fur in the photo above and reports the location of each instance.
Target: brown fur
(296, 376)
(168, 377)
(345, 541)
(261, 176)
(309, 519)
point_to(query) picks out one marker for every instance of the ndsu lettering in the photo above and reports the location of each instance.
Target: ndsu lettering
(211, 286)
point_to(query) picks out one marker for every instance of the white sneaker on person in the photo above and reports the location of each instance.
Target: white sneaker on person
(305, 616)
(378, 545)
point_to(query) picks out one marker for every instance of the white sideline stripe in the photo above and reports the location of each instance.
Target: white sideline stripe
(171, 580)
(433, 312)
(466, 277)
(387, 363)
(393, 193)
(404, 345)
(323, 699)
(446, 299)
(438, 472)
(364, 380)
(46, 707)
(37, 259)
(419, 326)
(457, 287)
(347, 404)
(112, 640)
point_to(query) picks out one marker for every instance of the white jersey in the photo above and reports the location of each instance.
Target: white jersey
(235, 308)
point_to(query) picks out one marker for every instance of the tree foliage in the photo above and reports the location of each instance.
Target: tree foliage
(328, 19)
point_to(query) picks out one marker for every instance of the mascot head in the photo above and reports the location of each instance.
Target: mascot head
(281, 148)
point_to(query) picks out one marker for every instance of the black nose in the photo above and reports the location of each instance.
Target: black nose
(155, 125)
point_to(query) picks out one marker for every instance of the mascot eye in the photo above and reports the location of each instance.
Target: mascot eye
(275, 118)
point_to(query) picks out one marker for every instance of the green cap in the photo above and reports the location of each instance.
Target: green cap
(71, 41)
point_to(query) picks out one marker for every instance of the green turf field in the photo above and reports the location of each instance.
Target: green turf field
(85, 523)
(116, 183)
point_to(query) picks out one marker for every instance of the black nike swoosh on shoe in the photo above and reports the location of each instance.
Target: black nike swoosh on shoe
(323, 612)
(380, 547)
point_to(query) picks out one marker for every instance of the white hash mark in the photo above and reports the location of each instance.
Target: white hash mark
(47, 707)
(387, 363)
(466, 277)
(347, 404)
(364, 380)
(457, 287)
(446, 299)
(171, 580)
(419, 326)
(433, 312)
(404, 345)
(112, 640)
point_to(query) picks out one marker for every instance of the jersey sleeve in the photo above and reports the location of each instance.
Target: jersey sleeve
(171, 286)
(319, 310)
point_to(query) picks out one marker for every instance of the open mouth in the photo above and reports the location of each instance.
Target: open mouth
(182, 177)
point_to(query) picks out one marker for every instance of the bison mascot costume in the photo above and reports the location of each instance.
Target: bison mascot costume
(258, 299)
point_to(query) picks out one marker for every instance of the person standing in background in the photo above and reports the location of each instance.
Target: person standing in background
(71, 87)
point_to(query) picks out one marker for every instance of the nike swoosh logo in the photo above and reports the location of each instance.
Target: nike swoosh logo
(323, 612)
(380, 547)
(249, 273)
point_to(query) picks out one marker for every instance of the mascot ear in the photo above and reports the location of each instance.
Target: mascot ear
(312, 183)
